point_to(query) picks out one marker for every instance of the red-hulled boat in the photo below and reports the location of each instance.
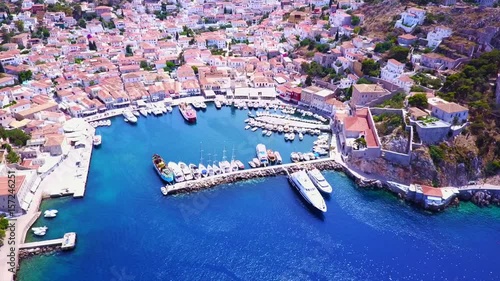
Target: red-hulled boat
(187, 112)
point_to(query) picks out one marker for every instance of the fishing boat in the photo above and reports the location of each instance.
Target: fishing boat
(169, 108)
(257, 162)
(264, 132)
(279, 160)
(252, 164)
(194, 171)
(240, 164)
(196, 105)
(164, 190)
(40, 231)
(269, 133)
(271, 156)
(254, 129)
(261, 153)
(178, 175)
(218, 105)
(188, 113)
(186, 171)
(165, 173)
(50, 214)
(129, 116)
(319, 181)
(301, 181)
(143, 112)
(97, 140)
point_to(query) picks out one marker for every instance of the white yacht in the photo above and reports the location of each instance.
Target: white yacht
(301, 181)
(179, 176)
(50, 214)
(136, 113)
(97, 140)
(169, 108)
(129, 116)
(224, 165)
(143, 111)
(301, 136)
(186, 171)
(218, 105)
(319, 181)
(203, 105)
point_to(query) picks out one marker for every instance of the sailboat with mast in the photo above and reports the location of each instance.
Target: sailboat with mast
(210, 169)
(224, 164)
(203, 170)
(216, 168)
(234, 164)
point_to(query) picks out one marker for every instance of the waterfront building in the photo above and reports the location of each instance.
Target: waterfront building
(365, 94)
(25, 182)
(431, 197)
(357, 134)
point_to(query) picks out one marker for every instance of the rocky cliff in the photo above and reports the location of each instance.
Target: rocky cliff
(422, 169)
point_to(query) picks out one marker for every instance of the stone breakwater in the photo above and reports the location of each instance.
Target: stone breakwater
(481, 198)
(270, 171)
(45, 250)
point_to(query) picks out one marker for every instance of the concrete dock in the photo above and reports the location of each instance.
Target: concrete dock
(273, 170)
(67, 242)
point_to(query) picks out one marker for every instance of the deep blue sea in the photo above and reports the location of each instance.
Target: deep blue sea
(255, 230)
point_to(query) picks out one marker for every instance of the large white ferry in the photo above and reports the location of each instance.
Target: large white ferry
(319, 181)
(301, 181)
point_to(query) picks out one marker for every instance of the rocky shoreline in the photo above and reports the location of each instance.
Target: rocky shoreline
(481, 198)
(46, 250)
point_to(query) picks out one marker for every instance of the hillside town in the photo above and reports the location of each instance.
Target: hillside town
(69, 59)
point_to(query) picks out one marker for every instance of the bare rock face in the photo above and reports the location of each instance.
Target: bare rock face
(383, 168)
(422, 167)
(396, 144)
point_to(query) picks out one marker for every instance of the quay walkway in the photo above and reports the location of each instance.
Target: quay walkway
(272, 170)
(485, 186)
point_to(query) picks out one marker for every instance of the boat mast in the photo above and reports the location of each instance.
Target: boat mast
(215, 158)
(232, 157)
(224, 153)
(201, 154)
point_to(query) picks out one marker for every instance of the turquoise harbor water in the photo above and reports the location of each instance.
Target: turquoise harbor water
(256, 230)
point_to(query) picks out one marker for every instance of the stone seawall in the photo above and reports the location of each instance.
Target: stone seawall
(271, 171)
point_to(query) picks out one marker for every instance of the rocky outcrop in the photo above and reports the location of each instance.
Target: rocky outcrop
(382, 168)
(481, 198)
(395, 143)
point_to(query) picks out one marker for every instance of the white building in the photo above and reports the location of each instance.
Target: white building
(24, 182)
(435, 37)
(449, 112)
(392, 70)
(410, 19)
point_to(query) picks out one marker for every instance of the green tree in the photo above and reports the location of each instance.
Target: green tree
(169, 66)
(370, 67)
(82, 23)
(382, 47)
(399, 53)
(19, 25)
(308, 81)
(195, 69)
(25, 76)
(128, 51)
(418, 100)
(355, 20)
(12, 157)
